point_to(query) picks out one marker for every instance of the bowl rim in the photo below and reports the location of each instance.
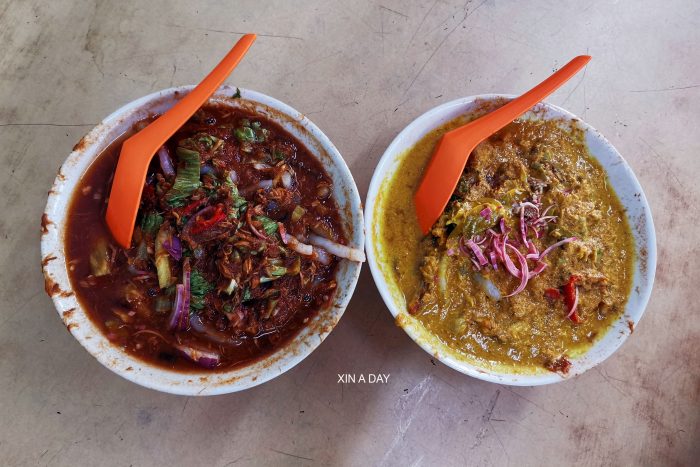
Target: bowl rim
(432, 119)
(143, 373)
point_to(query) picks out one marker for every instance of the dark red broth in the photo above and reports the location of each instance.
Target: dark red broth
(218, 219)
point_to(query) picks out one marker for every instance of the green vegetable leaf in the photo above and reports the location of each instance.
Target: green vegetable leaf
(269, 225)
(208, 140)
(247, 295)
(276, 270)
(245, 134)
(187, 179)
(277, 155)
(151, 222)
(197, 302)
(239, 202)
(199, 285)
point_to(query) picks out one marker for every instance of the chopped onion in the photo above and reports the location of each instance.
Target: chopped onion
(322, 256)
(233, 176)
(341, 251)
(295, 245)
(286, 179)
(261, 166)
(166, 163)
(504, 228)
(524, 273)
(265, 184)
(486, 213)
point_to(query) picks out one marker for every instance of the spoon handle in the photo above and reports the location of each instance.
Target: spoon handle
(485, 126)
(158, 132)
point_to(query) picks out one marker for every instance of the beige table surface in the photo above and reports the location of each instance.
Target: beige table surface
(361, 71)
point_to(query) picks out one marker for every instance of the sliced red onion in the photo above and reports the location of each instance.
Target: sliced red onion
(478, 253)
(492, 257)
(480, 240)
(173, 246)
(336, 249)
(538, 269)
(559, 243)
(476, 263)
(207, 170)
(176, 317)
(497, 239)
(575, 304)
(523, 226)
(166, 163)
(510, 266)
(295, 245)
(545, 219)
(486, 213)
(544, 213)
(504, 228)
(451, 252)
(524, 272)
(205, 358)
(532, 252)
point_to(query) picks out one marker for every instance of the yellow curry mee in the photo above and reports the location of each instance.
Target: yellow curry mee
(530, 262)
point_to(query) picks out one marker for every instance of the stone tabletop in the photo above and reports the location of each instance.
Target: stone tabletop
(361, 71)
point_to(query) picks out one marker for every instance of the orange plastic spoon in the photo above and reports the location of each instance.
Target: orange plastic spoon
(138, 150)
(450, 157)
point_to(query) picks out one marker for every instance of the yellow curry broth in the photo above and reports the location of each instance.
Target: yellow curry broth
(449, 297)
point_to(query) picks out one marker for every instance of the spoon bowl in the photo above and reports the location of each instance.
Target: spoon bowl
(138, 150)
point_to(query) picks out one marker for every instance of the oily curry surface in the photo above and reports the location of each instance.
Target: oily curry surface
(531, 261)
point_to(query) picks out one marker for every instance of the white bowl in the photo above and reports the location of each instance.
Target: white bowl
(623, 181)
(195, 383)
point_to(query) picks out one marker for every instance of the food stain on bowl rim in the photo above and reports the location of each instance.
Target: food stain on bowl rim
(55, 269)
(623, 181)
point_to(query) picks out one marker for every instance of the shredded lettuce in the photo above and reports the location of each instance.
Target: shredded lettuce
(198, 284)
(187, 178)
(151, 222)
(298, 213)
(245, 134)
(269, 225)
(199, 288)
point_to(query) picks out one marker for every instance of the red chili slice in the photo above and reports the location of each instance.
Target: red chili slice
(204, 224)
(570, 298)
(553, 294)
(192, 207)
